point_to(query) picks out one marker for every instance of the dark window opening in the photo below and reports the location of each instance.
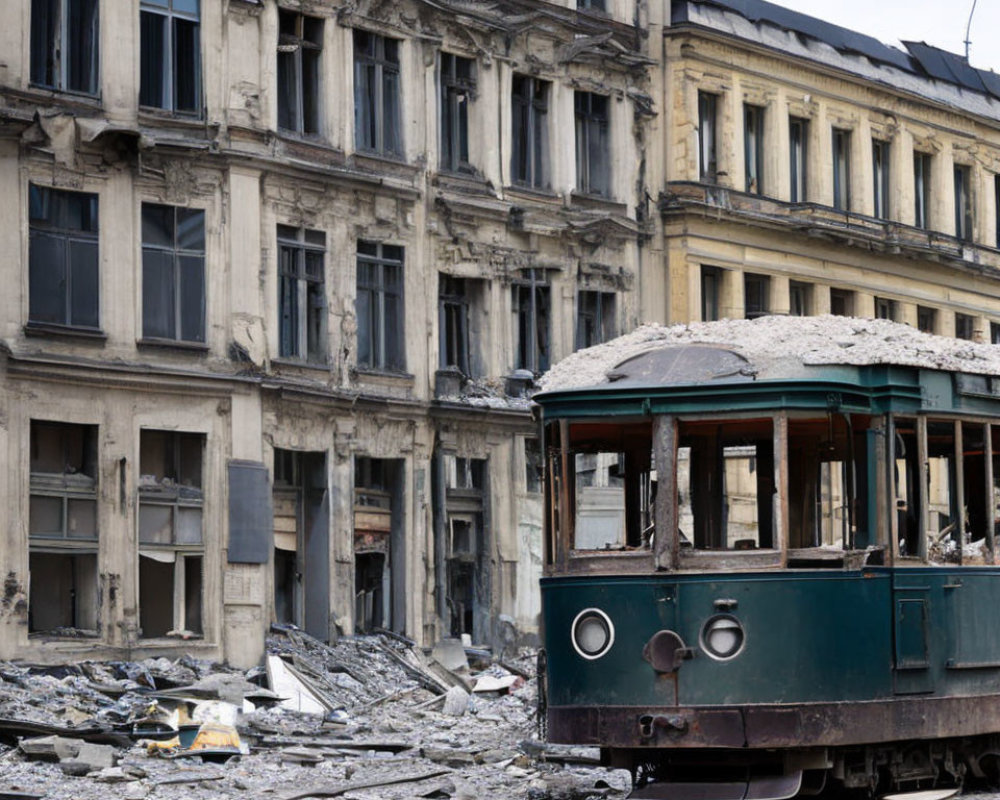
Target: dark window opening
(379, 544)
(593, 150)
(965, 326)
(922, 189)
(301, 294)
(927, 319)
(798, 132)
(591, 5)
(65, 42)
(841, 169)
(708, 166)
(995, 333)
(800, 300)
(300, 50)
(454, 322)
(173, 273)
(963, 203)
(756, 295)
(595, 318)
(533, 464)
(530, 112)
(711, 293)
(753, 148)
(377, 122)
(458, 90)
(379, 306)
(880, 178)
(886, 308)
(465, 550)
(63, 287)
(170, 55)
(532, 310)
(842, 302)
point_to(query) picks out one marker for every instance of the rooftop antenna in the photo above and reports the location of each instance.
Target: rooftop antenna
(968, 28)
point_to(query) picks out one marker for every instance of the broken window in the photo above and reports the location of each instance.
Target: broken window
(753, 148)
(922, 189)
(454, 321)
(965, 326)
(466, 555)
(842, 302)
(377, 124)
(592, 145)
(800, 300)
(171, 543)
(173, 273)
(64, 45)
(708, 166)
(711, 293)
(170, 57)
(595, 318)
(725, 484)
(963, 203)
(300, 48)
(530, 115)
(880, 178)
(63, 272)
(533, 464)
(756, 295)
(927, 319)
(62, 528)
(301, 293)
(379, 306)
(532, 309)
(841, 169)
(885, 308)
(798, 132)
(458, 89)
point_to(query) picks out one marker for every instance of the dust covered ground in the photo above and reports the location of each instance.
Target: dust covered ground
(394, 724)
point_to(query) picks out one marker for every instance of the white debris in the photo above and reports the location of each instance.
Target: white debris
(780, 344)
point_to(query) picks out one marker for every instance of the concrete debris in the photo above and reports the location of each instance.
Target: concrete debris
(385, 720)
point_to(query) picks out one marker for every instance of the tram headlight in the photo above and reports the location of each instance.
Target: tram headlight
(722, 637)
(592, 634)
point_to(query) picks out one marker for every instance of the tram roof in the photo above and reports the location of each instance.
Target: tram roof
(766, 348)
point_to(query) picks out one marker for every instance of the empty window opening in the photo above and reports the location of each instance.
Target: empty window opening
(170, 55)
(922, 189)
(300, 51)
(725, 484)
(379, 306)
(377, 124)
(595, 318)
(593, 151)
(63, 259)
(171, 543)
(454, 316)
(591, 5)
(842, 302)
(841, 169)
(62, 529)
(995, 333)
(798, 132)
(530, 118)
(963, 203)
(532, 310)
(927, 319)
(753, 148)
(458, 90)
(880, 178)
(379, 551)
(173, 273)
(711, 293)
(708, 165)
(532, 464)
(465, 550)
(886, 309)
(301, 541)
(965, 326)
(800, 299)
(944, 528)
(302, 293)
(756, 295)
(65, 38)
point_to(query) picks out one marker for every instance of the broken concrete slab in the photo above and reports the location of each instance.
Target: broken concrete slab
(450, 654)
(456, 702)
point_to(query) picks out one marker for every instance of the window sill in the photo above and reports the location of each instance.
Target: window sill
(78, 633)
(285, 362)
(598, 202)
(384, 163)
(194, 119)
(383, 377)
(533, 193)
(45, 329)
(81, 98)
(172, 344)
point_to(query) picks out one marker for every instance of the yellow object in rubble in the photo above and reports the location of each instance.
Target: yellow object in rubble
(216, 736)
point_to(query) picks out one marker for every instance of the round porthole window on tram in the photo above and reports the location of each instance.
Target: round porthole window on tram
(592, 633)
(722, 637)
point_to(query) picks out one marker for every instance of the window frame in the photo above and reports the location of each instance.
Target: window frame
(600, 309)
(708, 153)
(761, 284)
(881, 172)
(841, 152)
(65, 36)
(294, 338)
(370, 54)
(922, 167)
(532, 320)
(964, 225)
(387, 265)
(457, 91)
(753, 147)
(593, 159)
(530, 131)
(454, 310)
(965, 326)
(303, 115)
(798, 147)
(170, 83)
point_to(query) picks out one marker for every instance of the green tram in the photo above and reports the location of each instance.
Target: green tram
(770, 563)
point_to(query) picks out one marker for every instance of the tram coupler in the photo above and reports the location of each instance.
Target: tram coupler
(648, 724)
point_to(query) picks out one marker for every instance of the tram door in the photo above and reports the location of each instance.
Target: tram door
(911, 620)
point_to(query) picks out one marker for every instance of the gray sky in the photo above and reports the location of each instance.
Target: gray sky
(938, 22)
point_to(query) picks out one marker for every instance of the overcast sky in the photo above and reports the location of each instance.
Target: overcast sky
(938, 22)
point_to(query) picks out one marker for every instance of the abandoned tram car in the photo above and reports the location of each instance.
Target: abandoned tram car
(764, 575)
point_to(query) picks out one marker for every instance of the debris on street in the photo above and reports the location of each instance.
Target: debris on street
(367, 717)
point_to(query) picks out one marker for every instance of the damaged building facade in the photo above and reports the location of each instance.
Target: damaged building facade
(279, 274)
(278, 277)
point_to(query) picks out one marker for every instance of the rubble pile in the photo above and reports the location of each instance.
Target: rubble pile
(368, 717)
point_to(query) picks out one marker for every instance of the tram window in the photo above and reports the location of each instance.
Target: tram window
(943, 533)
(907, 489)
(600, 501)
(725, 482)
